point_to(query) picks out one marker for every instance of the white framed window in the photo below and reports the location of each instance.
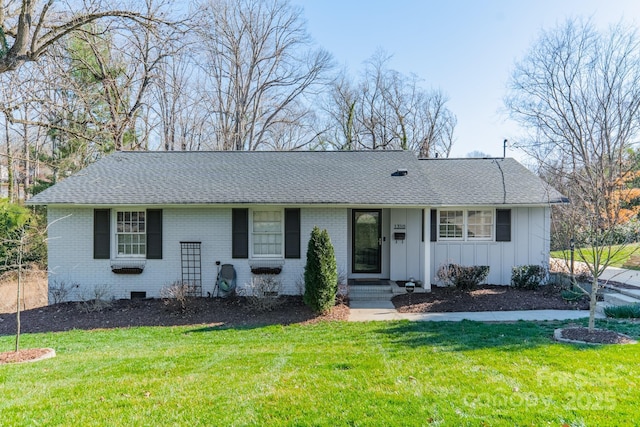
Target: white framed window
(480, 224)
(451, 225)
(267, 230)
(131, 234)
(471, 224)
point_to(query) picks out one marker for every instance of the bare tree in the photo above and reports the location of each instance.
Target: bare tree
(437, 125)
(85, 97)
(388, 110)
(578, 91)
(177, 103)
(28, 28)
(9, 156)
(373, 112)
(122, 63)
(260, 64)
(16, 105)
(13, 246)
(477, 154)
(340, 109)
(293, 132)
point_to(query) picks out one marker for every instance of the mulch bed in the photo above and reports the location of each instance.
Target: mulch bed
(224, 313)
(26, 355)
(597, 336)
(487, 298)
(239, 312)
(232, 312)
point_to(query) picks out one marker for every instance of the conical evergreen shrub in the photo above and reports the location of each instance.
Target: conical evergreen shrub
(320, 273)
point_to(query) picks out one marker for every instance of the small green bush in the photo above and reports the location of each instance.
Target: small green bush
(463, 277)
(320, 273)
(623, 311)
(572, 295)
(527, 276)
(470, 277)
(15, 220)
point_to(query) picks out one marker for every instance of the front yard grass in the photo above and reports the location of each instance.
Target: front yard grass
(338, 373)
(622, 256)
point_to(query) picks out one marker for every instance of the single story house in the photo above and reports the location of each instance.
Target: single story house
(135, 222)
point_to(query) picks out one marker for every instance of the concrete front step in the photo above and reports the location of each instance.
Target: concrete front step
(370, 292)
(400, 290)
(380, 297)
(353, 293)
(614, 298)
(633, 293)
(370, 288)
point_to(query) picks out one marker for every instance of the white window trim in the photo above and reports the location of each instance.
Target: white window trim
(252, 255)
(114, 241)
(492, 232)
(465, 226)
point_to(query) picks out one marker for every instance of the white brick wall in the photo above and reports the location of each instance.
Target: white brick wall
(71, 251)
(335, 221)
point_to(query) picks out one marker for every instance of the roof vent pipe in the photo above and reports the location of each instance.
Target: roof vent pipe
(400, 172)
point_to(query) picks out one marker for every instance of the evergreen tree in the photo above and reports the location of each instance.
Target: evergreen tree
(320, 273)
(12, 218)
(17, 223)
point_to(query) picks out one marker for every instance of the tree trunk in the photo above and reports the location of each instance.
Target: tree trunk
(18, 293)
(26, 182)
(592, 303)
(10, 189)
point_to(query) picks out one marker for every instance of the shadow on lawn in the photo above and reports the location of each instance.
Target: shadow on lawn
(468, 335)
(235, 327)
(209, 314)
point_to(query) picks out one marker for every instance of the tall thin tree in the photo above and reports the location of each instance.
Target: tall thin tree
(260, 63)
(578, 92)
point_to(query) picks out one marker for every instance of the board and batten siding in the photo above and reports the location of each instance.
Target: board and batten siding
(406, 255)
(529, 245)
(71, 261)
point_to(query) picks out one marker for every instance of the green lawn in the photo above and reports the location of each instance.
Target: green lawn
(620, 255)
(368, 374)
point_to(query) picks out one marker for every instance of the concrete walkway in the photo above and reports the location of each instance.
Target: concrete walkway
(621, 275)
(365, 311)
(616, 274)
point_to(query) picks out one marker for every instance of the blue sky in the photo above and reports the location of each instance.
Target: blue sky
(465, 48)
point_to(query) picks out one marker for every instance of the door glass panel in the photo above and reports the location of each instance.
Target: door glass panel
(366, 241)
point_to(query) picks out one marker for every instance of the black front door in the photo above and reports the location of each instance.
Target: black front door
(366, 241)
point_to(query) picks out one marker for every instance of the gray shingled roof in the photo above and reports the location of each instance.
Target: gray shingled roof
(324, 177)
(327, 177)
(487, 182)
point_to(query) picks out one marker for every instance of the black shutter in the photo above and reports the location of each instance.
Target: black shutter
(434, 225)
(292, 233)
(503, 225)
(154, 234)
(240, 233)
(101, 234)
